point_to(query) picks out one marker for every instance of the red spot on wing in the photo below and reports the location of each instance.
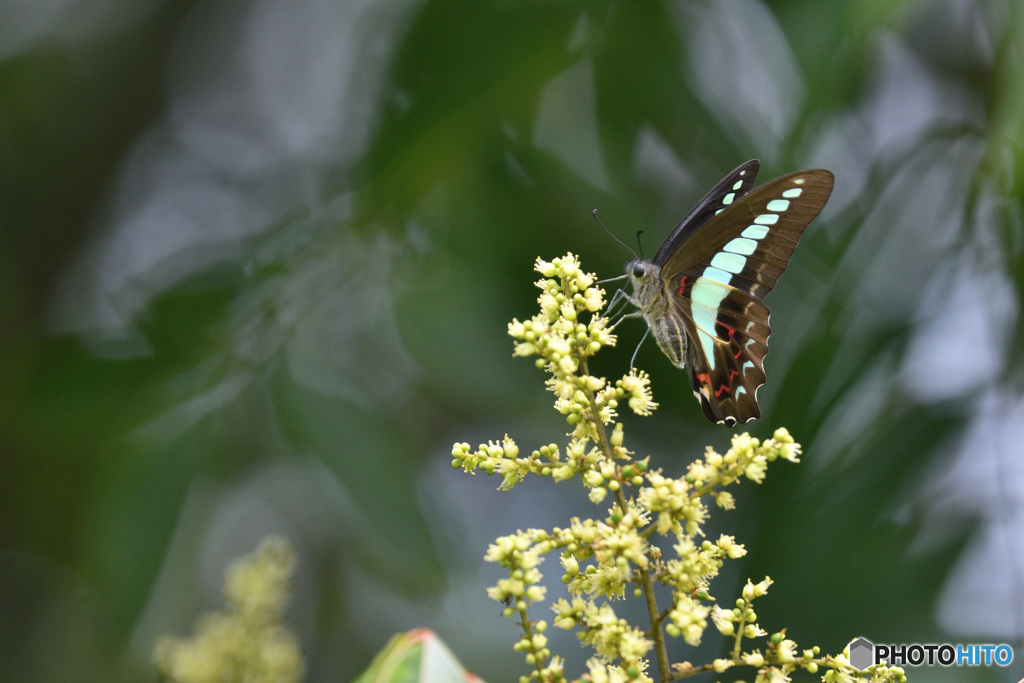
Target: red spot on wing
(704, 378)
(722, 389)
(732, 375)
(739, 352)
(682, 284)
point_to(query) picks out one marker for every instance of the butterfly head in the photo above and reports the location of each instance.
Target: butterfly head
(641, 269)
(642, 273)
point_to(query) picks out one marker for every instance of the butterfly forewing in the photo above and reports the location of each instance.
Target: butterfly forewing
(726, 193)
(717, 279)
(758, 233)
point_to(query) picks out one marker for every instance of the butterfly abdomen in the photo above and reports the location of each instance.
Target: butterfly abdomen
(671, 337)
(655, 303)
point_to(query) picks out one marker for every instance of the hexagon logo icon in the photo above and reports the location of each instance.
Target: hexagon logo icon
(862, 653)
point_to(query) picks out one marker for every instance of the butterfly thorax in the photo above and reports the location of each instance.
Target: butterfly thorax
(650, 298)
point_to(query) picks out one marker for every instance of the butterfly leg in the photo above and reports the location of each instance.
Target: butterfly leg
(617, 298)
(621, 297)
(632, 361)
(631, 314)
(617, 301)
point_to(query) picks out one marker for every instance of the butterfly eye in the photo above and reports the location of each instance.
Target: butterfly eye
(639, 270)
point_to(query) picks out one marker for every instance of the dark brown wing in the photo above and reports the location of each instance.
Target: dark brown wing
(718, 277)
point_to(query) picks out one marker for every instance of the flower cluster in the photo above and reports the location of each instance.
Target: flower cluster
(653, 530)
(247, 640)
(562, 342)
(748, 458)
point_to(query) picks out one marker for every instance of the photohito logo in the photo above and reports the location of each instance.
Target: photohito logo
(864, 653)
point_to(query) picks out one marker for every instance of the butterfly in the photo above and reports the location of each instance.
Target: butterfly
(702, 293)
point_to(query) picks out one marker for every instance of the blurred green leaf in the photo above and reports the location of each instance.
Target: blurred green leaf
(415, 657)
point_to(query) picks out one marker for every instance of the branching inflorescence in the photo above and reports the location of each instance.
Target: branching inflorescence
(653, 532)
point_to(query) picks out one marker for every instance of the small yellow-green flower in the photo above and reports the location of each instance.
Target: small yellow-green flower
(637, 389)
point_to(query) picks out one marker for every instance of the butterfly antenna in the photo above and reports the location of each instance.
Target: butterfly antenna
(594, 213)
(639, 245)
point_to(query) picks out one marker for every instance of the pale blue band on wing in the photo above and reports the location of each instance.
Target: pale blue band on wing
(755, 232)
(746, 247)
(706, 294)
(729, 261)
(717, 275)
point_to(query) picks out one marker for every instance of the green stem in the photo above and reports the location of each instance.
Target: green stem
(703, 668)
(528, 630)
(646, 583)
(739, 631)
(657, 635)
(825, 662)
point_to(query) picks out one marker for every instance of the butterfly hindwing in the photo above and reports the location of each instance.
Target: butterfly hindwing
(717, 279)
(725, 359)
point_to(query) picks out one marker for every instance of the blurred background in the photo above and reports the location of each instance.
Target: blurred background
(257, 259)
